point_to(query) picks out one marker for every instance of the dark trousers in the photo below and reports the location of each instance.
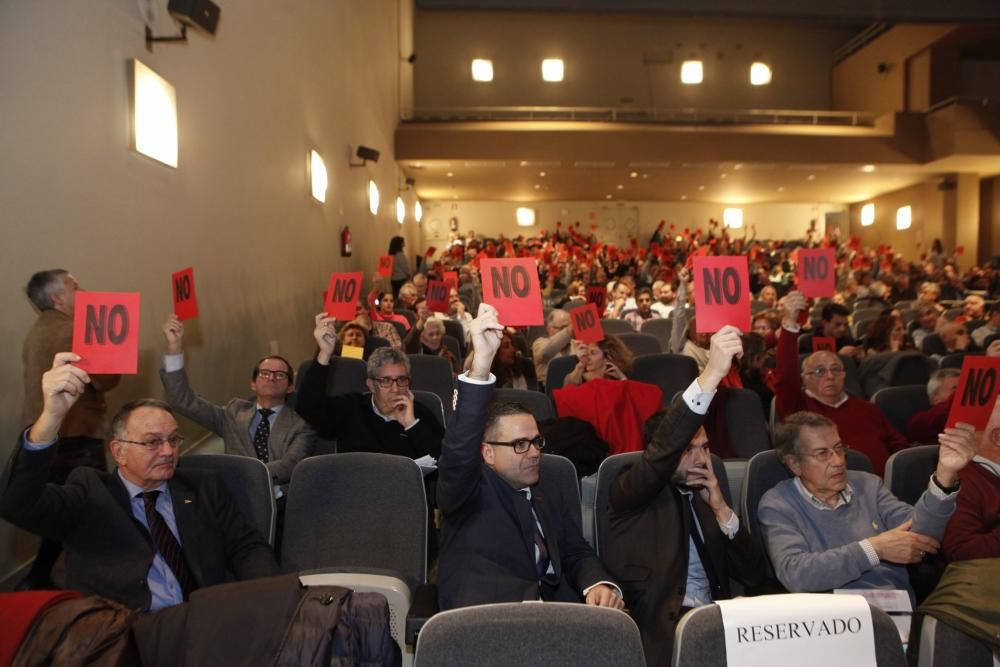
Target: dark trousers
(71, 453)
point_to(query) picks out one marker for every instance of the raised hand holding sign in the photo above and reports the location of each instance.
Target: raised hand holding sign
(342, 295)
(385, 265)
(185, 300)
(722, 293)
(817, 272)
(587, 324)
(437, 296)
(512, 287)
(977, 392)
(106, 332)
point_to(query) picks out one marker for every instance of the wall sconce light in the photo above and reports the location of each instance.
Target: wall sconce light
(154, 115)
(317, 175)
(400, 210)
(482, 70)
(692, 72)
(553, 70)
(760, 74)
(904, 217)
(525, 217)
(418, 211)
(366, 154)
(732, 218)
(868, 215)
(373, 197)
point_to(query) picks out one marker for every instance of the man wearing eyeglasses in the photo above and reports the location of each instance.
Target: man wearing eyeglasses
(264, 428)
(146, 535)
(672, 539)
(820, 388)
(829, 527)
(506, 534)
(386, 421)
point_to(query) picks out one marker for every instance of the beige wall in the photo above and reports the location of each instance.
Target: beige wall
(616, 223)
(275, 81)
(929, 216)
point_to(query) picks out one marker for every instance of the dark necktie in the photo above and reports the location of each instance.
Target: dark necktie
(262, 434)
(699, 545)
(542, 558)
(167, 544)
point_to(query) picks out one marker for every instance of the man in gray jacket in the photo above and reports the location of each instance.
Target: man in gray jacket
(264, 428)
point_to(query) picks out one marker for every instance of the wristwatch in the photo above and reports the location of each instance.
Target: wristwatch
(946, 489)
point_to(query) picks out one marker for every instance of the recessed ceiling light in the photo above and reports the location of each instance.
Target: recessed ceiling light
(737, 166)
(607, 196)
(450, 174)
(542, 174)
(482, 70)
(781, 188)
(454, 196)
(723, 176)
(760, 74)
(620, 186)
(634, 174)
(537, 186)
(645, 176)
(552, 70)
(868, 168)
(701, 188)
(811, 177)
(691, 72)
(683, 197)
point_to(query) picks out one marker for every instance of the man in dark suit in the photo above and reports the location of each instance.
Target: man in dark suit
(672, 540)
(506, 535)
(264, 428)
(145, 535)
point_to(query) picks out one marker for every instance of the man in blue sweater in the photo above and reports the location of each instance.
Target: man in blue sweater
(829, 527)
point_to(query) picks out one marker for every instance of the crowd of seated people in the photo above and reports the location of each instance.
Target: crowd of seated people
(490, 493)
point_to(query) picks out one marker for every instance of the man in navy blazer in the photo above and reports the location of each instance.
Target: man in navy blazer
(145, 535)
(506, 535)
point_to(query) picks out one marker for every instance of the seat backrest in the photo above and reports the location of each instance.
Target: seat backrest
(907, 471)
(953, 360)
(432, 402)
(573, 305)
(400, 328)
(539, 403)
(560, 472)
(659, 327)
(670, 372)
(933, 344)
(701, 637)
(373, 343)
(611, 467)
(852, 377)
(612, 327)
(346, 376)
(559, 368)
(766, 469)
(944, 646)
(410, 316)
(911, 368)
(898, 404)
(748, 433)
(357, 509)
(641, 344)
(248, 482)
(433, 373)
(558, 633)
(452, 345)
(454, 329)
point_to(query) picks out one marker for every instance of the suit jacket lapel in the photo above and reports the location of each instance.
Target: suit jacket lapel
(243, 419)
(185, 515)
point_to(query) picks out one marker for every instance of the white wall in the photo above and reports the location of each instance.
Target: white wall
(616, 222)
(277, 80)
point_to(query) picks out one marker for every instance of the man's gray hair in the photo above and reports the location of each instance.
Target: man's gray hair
(119, 423)
(43, 285)
(386, 355)
(937, 379)
(788, 433)
(553, 314)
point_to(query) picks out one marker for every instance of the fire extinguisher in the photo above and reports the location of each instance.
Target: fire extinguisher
(345, 242)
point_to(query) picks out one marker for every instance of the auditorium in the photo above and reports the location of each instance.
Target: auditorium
(424, 332)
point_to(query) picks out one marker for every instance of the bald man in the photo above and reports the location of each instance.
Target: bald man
(974, 529)
(820, 388)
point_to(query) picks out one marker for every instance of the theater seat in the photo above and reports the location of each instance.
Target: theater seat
(641, 344)
(540, 404)
(526, 634)
(944, 646)
(670, 372)
(899, 404)
(247, 480)
(908, 471)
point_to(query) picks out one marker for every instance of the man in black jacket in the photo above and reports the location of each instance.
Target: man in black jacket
(506, 534)
(672, 540)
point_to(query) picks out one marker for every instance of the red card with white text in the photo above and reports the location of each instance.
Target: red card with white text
(185, 300)
(106, 332)
(342, 295)
(437, 296)
(722, 292)
(450, 278)
(385, 265)
(587, 324)
(977, 392)
(512, 287)
(824, 343)
(817, 272)
(598, 295)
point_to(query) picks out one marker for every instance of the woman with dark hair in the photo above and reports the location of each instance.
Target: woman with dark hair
(385, 310)
(886, 334)
(400, 265)
(886, 337)
(609, 359)
(511, 368)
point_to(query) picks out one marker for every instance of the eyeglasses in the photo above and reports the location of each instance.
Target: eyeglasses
(824, 455)
(175, 441)
(403, 381)
(272, 375)
(823, 370)
(522, 445)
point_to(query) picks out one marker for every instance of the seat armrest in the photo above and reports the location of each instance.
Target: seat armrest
(424, 605)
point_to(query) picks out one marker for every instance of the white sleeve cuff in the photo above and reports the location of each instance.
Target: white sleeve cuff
(697, 399)
(173, 362)
(794, 328)
(464, 377)
(731, 527)
(938, 492)
(869, 550)
(606, 583)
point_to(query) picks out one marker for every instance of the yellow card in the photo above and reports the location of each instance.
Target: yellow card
(352, 351)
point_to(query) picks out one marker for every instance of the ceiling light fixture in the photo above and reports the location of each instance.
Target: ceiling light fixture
(868, 168)
(482, 70)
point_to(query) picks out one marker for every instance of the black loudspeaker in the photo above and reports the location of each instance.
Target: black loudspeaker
(366, 153)
(201, 14)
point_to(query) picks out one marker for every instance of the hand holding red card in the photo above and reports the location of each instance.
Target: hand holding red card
(722, 292)
(977, 392)
(437, 296)
(587, 324)
(342, 295)
(185, 300)
(106, 332)
(385, 265)
(513, 288)
(817, 272)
